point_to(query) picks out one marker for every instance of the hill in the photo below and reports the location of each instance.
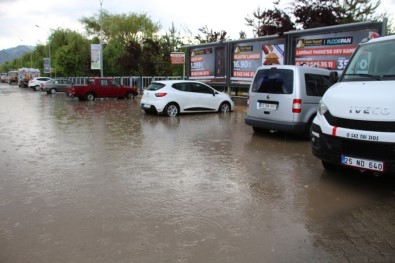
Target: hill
(14, 52)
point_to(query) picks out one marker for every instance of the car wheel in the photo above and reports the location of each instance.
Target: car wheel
(309, 131)
(90, 96)
(224, 107)
(171, 110)
(36, 88)
(52, 91)
(129, 96)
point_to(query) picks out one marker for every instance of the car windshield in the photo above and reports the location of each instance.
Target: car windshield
(155, 86)
(372, 62)
(277, 81)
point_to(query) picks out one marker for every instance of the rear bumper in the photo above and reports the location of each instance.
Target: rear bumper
(291, 127)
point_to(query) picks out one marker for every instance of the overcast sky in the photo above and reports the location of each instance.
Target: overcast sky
(19, 17)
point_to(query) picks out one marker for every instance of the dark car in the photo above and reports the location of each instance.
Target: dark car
(55, 85)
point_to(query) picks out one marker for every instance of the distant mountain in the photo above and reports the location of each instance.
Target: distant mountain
(14, 52)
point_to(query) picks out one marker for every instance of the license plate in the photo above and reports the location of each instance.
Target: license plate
(147, 106)
(363, 163)
(267, 106)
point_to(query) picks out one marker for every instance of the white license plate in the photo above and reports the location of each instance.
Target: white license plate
(363, 163)
(147, 106)
(266, 106)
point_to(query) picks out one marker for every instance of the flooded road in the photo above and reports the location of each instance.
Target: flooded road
(104, 182)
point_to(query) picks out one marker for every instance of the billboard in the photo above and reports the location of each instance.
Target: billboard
(47, 65)
(332, 50)
(248, 56)
(208, 63)
(177, 58)
(95, 56)
(233, 63)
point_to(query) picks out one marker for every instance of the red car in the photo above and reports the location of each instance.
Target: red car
(101, 88)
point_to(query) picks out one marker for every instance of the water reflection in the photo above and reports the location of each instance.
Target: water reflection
(103, 181)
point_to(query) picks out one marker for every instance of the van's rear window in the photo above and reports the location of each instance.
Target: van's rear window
(277, 81)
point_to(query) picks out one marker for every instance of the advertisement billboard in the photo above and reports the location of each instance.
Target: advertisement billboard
(332, 50)
(95, 56)
(177, 58)
(208, 63)
(248, 56)
(47, 65)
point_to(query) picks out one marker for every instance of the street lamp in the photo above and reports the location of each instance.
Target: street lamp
(49, 54)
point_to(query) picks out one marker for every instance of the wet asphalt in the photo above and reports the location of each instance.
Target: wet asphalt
(104, 182)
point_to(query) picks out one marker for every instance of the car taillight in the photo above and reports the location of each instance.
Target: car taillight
(297, 106)
(160, 94)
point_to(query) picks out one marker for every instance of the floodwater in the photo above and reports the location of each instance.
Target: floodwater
(104, 182)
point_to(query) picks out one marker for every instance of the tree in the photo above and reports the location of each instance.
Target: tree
(270, 22)
(358, 10)
(129, 61)
(70, 53)
(121, 27)
(310, 14)
(210, 36)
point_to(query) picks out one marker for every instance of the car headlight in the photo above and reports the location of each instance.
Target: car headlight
(322, 108)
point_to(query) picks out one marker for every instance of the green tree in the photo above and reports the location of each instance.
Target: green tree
(70, 53)
(121, 27)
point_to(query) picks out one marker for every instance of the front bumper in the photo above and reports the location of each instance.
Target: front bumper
(330, 149)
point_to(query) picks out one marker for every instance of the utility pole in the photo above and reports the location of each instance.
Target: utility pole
(49, 51)
(101, 38)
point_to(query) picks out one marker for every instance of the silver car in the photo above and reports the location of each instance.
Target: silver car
(285, 98)
(55, 85)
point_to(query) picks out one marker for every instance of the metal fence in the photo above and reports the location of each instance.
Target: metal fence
(135, 81)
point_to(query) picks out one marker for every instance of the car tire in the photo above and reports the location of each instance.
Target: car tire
(224, 107)
(52, 91)
(129, 96)
(308, 131)
(90, 96)
(36, 88)
(171, 110)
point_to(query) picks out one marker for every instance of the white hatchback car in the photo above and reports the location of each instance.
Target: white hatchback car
(34, 83)
(171, 97)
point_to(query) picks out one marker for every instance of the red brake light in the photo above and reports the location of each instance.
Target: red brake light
(160, 94)
(297, 106)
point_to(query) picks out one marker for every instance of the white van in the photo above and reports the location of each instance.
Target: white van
(285, 98)
(355, 124)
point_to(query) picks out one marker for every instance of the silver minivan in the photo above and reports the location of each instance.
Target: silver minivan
(285, 98)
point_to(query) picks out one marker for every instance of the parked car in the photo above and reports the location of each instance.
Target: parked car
(55, 85)
(285, 98)
(34, 83)
(171, 97)
(101, 88)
